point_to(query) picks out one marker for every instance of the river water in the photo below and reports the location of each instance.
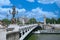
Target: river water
(33, 36)
(44, 37)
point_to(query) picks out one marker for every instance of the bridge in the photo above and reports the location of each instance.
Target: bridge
(16, 32)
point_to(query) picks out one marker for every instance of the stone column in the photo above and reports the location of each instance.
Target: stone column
(2, 34)
(25, 31)
(21, 33)
(44, 20)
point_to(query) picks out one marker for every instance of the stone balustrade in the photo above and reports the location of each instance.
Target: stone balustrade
(18, 32)
(21, 33)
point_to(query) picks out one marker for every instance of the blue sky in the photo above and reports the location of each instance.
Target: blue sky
(31, 8)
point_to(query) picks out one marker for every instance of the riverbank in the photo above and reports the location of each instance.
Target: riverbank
(47, 32)
(44, 37)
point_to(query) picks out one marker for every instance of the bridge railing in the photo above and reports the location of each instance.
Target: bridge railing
(21, 33)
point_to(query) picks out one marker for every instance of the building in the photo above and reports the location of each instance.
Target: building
(23, 19)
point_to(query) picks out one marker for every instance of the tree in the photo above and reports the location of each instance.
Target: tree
(52, 20)
(18, 22)
(58, 21)
(48, 20)
(6, 21)
(32, 20)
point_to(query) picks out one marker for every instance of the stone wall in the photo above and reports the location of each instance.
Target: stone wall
(12, 36)
(2, 34)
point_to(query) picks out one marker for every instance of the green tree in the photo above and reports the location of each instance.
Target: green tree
(19, 22)
(32, 20)
(6, 21)
(58, 21)
(52, 20)
(48, 20)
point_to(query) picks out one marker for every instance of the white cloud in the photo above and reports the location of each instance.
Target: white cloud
(41, 12)
(46, 1)
(58, 3)
(5, 11)
(30, 0)
(5, 2)
(49, 2)
(38, 13)
(2, 16)
(21, 10)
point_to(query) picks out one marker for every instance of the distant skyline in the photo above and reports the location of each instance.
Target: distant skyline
(31, 8)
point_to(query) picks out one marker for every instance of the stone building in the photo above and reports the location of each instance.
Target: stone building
(23, 20)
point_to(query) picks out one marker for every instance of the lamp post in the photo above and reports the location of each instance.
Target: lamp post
(13, 14)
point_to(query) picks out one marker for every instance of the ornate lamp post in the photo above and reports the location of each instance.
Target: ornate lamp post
(13, 14)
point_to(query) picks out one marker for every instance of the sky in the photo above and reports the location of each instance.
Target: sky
(30, 8)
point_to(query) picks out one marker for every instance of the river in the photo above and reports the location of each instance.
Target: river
(33, 36)
(44, 37)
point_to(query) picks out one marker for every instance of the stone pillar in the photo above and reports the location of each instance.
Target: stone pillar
(27, 29)
(44, 20)
(2, 34)
(24, 31)
(21, 33)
